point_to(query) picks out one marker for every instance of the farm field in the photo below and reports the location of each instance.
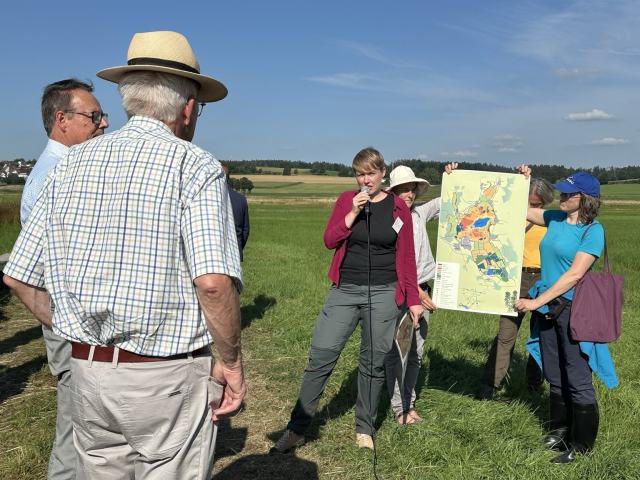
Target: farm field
(285, 284)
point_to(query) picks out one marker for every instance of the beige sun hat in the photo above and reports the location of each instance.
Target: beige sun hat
(169, 52)
(402, 174)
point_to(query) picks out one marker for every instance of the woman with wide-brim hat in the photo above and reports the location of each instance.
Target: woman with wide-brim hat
(409, 188)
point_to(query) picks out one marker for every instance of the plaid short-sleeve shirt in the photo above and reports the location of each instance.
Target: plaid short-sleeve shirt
(125, 223)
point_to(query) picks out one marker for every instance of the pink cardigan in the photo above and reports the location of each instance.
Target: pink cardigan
(337, 232)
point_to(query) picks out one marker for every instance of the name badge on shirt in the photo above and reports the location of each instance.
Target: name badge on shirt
(397, 225)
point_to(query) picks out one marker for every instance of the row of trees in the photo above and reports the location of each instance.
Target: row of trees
(240, 184)
(432, 171)
(253, 167)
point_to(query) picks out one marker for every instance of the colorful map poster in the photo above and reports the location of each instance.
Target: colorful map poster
(480, 241)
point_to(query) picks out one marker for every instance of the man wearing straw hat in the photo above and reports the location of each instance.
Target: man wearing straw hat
(133, 246)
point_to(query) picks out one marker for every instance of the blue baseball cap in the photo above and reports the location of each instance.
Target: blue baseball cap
(580, 182)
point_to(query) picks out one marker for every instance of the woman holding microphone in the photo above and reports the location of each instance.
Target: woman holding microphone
(373, 271)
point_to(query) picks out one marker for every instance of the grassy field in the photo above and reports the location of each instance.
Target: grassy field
(621, 191)
(285, 284)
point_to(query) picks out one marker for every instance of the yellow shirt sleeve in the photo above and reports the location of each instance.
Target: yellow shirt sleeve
(531, 255)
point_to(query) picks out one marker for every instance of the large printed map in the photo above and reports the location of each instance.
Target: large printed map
(480, 241)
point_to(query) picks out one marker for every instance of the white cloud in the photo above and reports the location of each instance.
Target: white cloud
(462, 153)
(508, 136)
(351, 80)
(288, 148)
(507, 143)
(594, 114)
(375, 54)
(598, 34)
(608, 142)
(422, 157)
(578, 72)
(429, 87)
(475, 146)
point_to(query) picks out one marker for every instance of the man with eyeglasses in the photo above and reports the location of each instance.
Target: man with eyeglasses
(71, 115)
(133, 243)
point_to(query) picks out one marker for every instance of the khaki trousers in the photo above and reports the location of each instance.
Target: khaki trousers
(144, 420)
(502, 346)
(62, 461)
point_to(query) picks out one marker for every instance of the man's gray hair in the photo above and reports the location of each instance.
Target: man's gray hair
(155, 94)
(543, 189)
(58, 96)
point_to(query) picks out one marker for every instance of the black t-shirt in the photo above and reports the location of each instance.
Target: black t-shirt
(382, 243)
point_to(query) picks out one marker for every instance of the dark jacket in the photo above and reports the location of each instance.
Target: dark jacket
(240, 218)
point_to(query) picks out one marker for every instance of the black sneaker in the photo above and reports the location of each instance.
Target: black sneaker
(485, 392)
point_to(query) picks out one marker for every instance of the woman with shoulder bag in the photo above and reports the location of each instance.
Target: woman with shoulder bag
(567, 252)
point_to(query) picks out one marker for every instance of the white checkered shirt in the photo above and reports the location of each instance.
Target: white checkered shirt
(125, 223)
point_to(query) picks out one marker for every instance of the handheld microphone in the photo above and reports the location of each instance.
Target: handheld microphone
(365, 189)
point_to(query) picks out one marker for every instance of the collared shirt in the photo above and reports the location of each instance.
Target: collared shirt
(52, 154)
(124, 224)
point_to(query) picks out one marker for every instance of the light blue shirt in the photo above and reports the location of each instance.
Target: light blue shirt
(562, 241)
(52, 154)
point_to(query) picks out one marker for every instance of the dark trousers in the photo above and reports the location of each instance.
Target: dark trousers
(565, 367)
(343, 308)
(502, 346)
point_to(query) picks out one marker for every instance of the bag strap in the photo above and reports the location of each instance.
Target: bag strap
(605, 257)
(529, 227)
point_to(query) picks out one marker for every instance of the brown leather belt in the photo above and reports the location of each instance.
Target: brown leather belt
(530, 269)
(105, 354)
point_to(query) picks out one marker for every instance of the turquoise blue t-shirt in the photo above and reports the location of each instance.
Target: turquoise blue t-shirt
(561, 243)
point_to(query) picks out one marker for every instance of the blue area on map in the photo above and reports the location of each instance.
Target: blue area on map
(481, 222)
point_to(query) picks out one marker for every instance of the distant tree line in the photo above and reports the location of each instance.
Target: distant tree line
(432, 171)
(253, 167)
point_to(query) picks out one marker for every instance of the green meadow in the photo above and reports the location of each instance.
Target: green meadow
(285, 265)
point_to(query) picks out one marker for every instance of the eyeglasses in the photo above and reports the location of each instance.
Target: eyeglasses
(569, 195)
(96, 116)
(200, 108)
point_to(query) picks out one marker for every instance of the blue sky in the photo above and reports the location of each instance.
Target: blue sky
(500, 82)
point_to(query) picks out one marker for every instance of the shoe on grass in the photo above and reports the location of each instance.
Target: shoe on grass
(288, 440)
(485, 392)
(409, 418)
(415, 418)
(364, 441)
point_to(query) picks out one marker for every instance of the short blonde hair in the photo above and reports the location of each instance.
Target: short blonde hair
(368, 158)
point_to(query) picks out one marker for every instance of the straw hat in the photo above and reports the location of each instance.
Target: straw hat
(402, 174)
(169, 52)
